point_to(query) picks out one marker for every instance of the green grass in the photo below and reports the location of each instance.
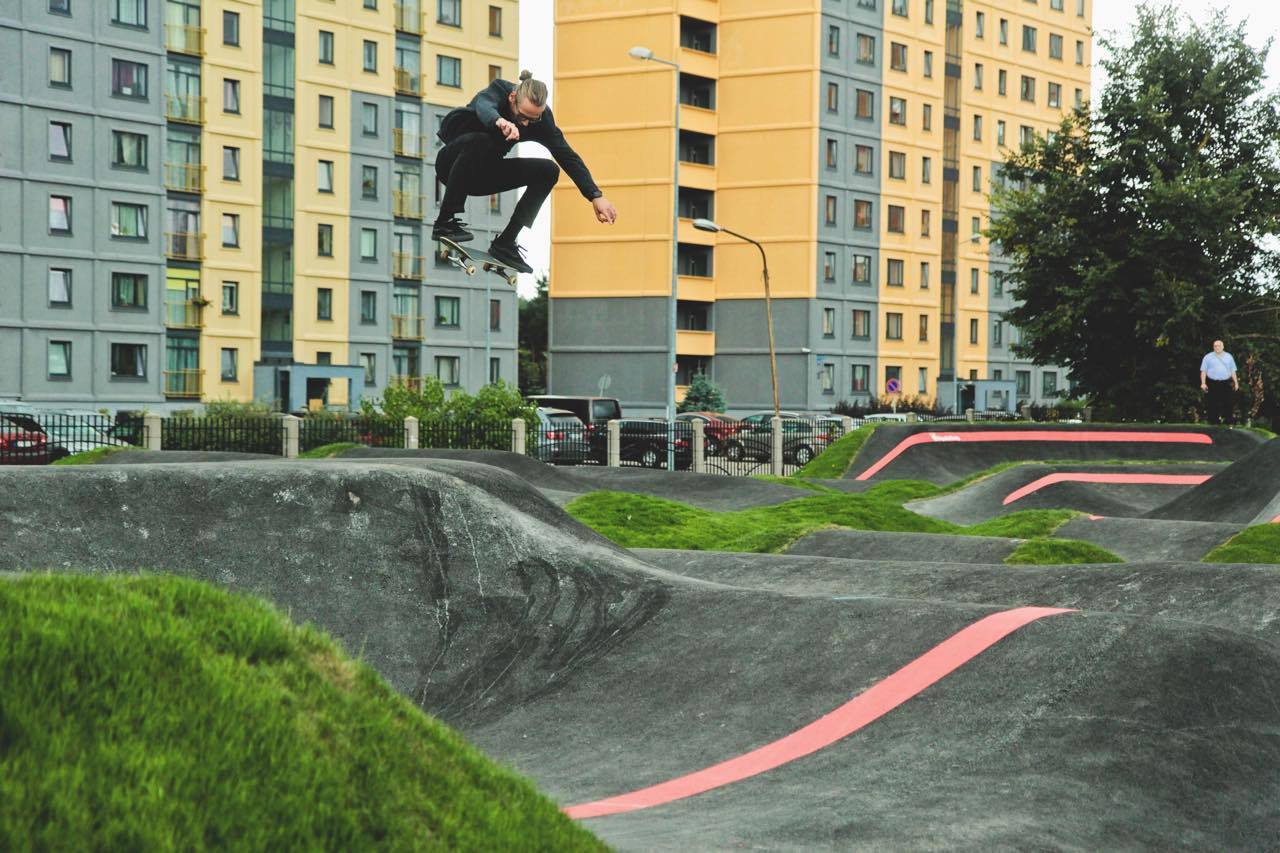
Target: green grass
(91, 457)
(641, 521)
(796, 483)
(328, 451)
(832, 463)
(1059, 552)
(1257, 544)
(160, 713)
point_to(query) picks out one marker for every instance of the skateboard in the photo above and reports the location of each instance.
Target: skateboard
(465, 260)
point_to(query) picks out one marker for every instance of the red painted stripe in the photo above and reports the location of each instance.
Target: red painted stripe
(1276, 520)
(1130, 479)
(1034, 435)
(867, 707)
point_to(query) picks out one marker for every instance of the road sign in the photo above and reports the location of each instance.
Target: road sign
(893, 386)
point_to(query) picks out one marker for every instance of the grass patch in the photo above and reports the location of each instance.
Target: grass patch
(91, 457)
(1059, 552)
(1027, 524)
(328, 451)
(1262, 431)
(795, 483)
(162, 713)
(1257, 544)
(832, 463)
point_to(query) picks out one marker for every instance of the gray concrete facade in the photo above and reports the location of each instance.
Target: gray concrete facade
(615, 347)
(366, 276)
(33, 168)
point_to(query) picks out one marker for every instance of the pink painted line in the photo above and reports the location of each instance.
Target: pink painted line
(1276, 520)
(865, 708)
(1033, 435)
(1127, 479)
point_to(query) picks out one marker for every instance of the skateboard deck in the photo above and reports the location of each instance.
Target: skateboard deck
(465, 259)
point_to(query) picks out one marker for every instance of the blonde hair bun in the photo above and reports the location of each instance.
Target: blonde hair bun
(526, 75)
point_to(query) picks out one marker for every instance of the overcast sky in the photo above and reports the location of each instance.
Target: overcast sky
(1109, 17)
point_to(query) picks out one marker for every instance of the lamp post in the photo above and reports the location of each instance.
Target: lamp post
(645, 54)
(708, 225)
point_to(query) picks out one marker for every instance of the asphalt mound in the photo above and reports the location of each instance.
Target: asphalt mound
(984, 498)
(152, 457)
(1247, 492)
(922, 547)
(1140, 539)
(943, 461)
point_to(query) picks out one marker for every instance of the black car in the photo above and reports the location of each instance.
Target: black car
(648, 442)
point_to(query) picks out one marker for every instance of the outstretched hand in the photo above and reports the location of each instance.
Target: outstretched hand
(605, 211)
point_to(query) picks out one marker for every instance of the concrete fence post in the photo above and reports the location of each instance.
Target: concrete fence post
(846, 425)
(913, 418)
(1025, 411)
(1087, 414)
(152, 427)
(518, 432)
(614, 433)
(775, 452)
(411, 433)
(292, 426)
(968, 415)
(699, 446)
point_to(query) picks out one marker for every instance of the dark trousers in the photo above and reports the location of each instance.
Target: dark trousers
(1219, 404)
(473, 164)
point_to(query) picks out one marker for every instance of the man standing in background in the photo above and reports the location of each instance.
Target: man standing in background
(1218, 378)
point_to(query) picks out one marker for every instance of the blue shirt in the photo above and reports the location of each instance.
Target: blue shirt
(1218, 367)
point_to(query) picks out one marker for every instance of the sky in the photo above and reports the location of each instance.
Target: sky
(1262, 19)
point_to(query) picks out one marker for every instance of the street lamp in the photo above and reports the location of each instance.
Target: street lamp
(708, 225)
(645, 54)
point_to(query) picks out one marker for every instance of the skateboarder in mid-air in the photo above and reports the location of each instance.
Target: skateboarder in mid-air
(473, 162)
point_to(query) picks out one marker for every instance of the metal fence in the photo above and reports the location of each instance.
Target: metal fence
(371, 431)
(29, 437)
(466, 435)
(224, 434)
(746, 448)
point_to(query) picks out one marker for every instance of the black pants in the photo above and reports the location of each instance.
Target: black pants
(472, 164)
(1220, 409)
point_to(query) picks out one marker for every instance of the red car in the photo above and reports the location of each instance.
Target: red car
(718, 428)
(22, 447)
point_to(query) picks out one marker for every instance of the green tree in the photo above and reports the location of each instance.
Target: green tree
(703, 396)
(533, 341)
(1138, 232)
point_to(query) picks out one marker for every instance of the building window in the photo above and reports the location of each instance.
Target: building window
(324, 240)
(926, 170)
(1002, 82)
(861, 323)
(926, 117)
(833, 97)
(1023, 379)
(448, 369)
(128, 79)
(833, 40)
(1079, 98)
(864, 159)
(449, 13)
(59, 67)
(897, 165)
(1026, 134)
(231, 28)
(926, 221)
(495, 21)
(829, 266)
(861, 378)
(230, 298)
(897, 56)
(861, 214)
(827, 377)
(977, 128)
(892, 326)
(370, 56)
(60, 7)
(866, 49)
(231, 230)
(1029, 39)
(977, 179)
(231, 96)
(1055, 5)
(862, 269)
(369, 119)
(371, 4)
(128, 150)
(1055, 95)
(977, 76)
(449, 71)
(833, 154)
(1049, 384)
(997, 334)
(130, 13)
(975, 231)
(1080, 8)
(897, 111)
(60, 287)
(830, 210)
(230, 163)
(828, 322)
(368, 244)
(324, 176)
(894, 272)
(129, 360)
(495, 315)
(866, 104)
(1028, 89)
(1000, 132)
(1079, 53)
(368, 306)
(1004, 30)
(59, 140)
(59, 359)
(923, 332)
(448, 311)
(973, 280)
(230, 364)
(997, 284)
(60, 214)
(495, 370)
(928, 63)
(326, 48)
(973, 331)
(1055, 46)
(128, 220)
(370, 362)
(326, 111)
(899, 7)
(897, 219)
(324, 303)
(128, 290)
(979, 25)
(369, 182)
(928, 11)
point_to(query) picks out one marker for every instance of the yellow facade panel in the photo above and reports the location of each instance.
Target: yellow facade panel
(598, 48)
(784, 155)
(631, 101)
(689, 342)
(738, 272)
(778, 212)
(790, 98)
(779, 40)
(616, 268)
(698, 119)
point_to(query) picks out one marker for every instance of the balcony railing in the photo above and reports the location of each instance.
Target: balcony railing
(184, 108)
(184, 177)
(183, 383)
(183, 39)
(409, 18)
(413, 383)
(184, 314)
(407, 144)
(184, 245)
(407, 327)
(408, 82)
(407, 205)
(405, 265)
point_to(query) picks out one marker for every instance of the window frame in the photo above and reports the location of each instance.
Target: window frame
(140, 284)
(145, 86)
(66, 135)
(143, 214)
(65, 282)
(139, 350)
(60, 52)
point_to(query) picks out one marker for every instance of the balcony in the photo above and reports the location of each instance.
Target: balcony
(184, 177)
(406, 265)
(407, 327)
(409, 18)
(412, 383)
(184, 313)
(183, 383)
(407, 144)
(183, 39)
(183, 246)
(690, 342)
(184, 108)
(408, 83)
(407, 205)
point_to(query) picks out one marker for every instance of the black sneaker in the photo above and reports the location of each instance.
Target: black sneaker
(510, 254)
(451, 229)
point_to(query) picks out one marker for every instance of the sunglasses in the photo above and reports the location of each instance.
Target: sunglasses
(527, 119)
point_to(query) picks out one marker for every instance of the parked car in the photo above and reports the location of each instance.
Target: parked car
(758, 419)
(718, 429)
(648, 442)
(802, 440)
(590, 410)
(22, 447)
(65, 434)
(563, 439)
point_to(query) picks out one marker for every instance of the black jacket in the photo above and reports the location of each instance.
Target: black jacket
(492, 102)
